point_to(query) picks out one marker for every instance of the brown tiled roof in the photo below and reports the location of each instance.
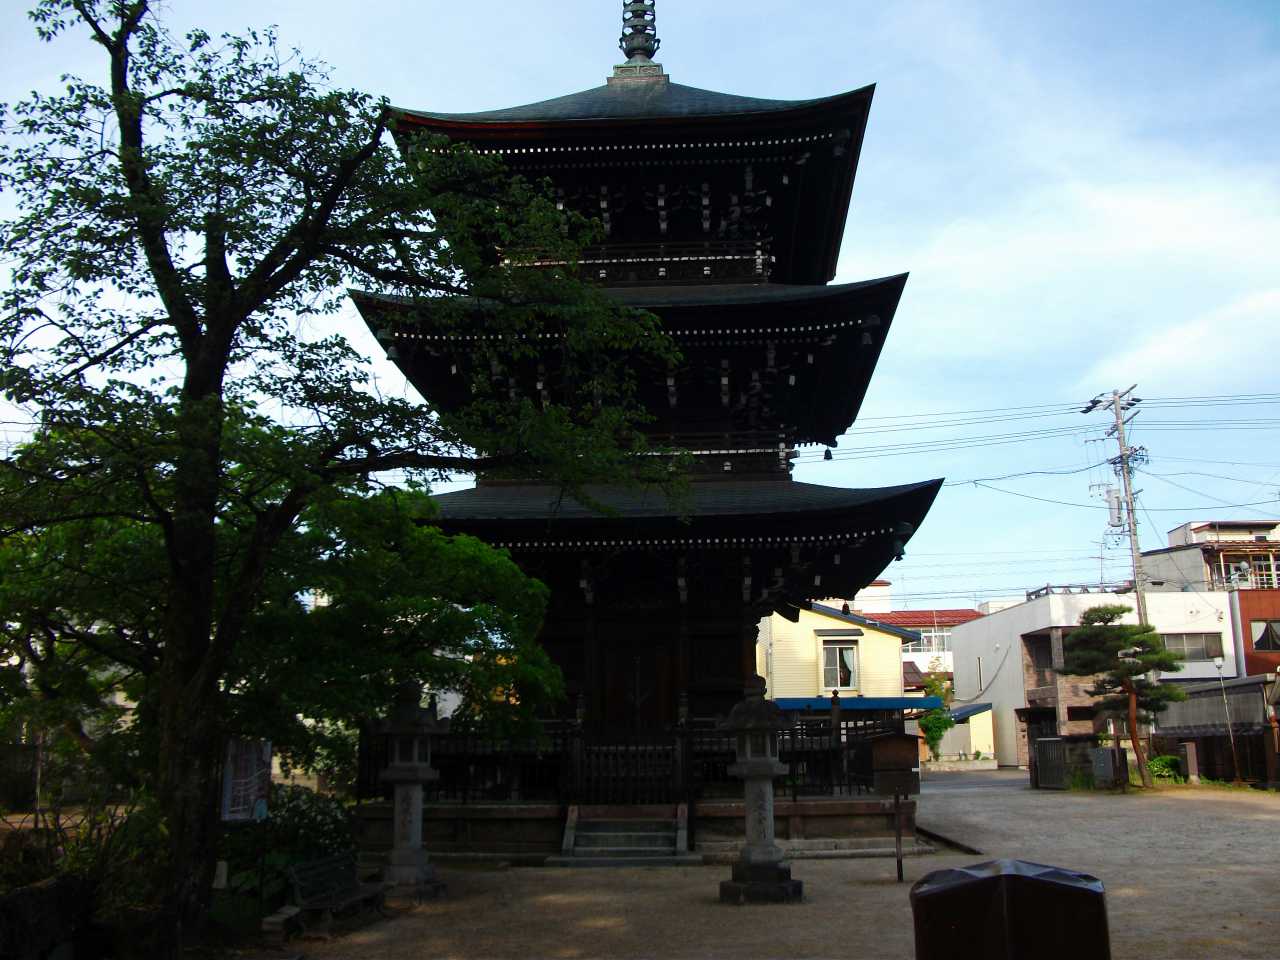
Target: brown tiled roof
(927, 618)
(912, 676)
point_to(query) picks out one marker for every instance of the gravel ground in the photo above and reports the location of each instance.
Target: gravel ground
(1189, 873)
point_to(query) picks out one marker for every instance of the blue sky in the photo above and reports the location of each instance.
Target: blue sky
(1086, 196)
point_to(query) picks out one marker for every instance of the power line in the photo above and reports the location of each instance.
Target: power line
(1094, 506)
(1027, 473)
(1230, 463)
(1224, 503)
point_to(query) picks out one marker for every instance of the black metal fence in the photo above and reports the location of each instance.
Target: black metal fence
(563, 763)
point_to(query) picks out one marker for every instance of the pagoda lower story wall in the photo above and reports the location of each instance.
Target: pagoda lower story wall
(640, 671)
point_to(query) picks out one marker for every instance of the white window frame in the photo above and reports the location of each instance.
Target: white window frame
(838, 640)
(1206, 645)
(1256, 630)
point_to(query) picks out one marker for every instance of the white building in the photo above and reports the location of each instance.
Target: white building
(1011, 658)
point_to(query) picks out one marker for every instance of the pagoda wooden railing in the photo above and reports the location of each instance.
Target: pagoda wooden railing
(673, 262)
(566, 764)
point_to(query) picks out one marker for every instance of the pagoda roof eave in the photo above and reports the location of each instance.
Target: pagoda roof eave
(538, 504)
(695, 317)
(696, 296)
(631, 104)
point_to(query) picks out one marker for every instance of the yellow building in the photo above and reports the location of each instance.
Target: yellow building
(828, 650)
(973, 734)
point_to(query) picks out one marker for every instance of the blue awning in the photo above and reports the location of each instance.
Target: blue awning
(969, 710)
(822, 704)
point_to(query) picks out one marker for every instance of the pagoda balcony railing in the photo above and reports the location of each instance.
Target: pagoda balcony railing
(668, 262)
(713, 442)
(567, 764)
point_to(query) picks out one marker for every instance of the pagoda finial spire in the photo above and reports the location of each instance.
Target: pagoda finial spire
(639, 32)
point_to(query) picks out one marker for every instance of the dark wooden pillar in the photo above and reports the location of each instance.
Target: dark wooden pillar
(750, 634)
(683, 653)
(593, 673)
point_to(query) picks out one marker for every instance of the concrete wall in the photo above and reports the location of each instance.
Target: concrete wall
(1176, 571)
(928, 660)
(996, 640)
(789, 657)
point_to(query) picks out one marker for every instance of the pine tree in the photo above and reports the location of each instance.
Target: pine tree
(1121, 657)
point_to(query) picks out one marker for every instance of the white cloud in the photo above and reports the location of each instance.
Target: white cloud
(1226, 347)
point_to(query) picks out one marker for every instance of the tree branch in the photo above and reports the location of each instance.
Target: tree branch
(148, 205)
(291, 254)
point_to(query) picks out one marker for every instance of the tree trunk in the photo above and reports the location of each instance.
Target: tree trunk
(190, 727)
(189, 753)
(1138, 756)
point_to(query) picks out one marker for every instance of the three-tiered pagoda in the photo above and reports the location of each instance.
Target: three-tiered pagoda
(723, 216)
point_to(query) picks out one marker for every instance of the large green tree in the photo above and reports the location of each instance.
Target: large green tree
(180, 225)
(1120, 657)
(361, 595)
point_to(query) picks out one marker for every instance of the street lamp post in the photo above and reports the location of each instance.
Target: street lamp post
(1226, 709)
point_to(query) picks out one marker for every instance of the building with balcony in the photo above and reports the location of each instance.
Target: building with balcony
(1216, 555)
(1013, 659)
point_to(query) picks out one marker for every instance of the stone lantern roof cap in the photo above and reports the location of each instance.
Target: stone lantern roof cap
(754, 712)
(408, 717)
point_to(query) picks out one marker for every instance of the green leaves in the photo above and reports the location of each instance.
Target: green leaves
(1120, 656)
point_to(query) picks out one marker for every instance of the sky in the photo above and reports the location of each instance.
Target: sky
(1086, 196)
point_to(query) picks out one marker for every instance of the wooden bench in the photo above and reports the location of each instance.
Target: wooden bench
(322, 888)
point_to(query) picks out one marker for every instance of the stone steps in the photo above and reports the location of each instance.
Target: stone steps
(627, 826)
(609, 840)
(653, 840)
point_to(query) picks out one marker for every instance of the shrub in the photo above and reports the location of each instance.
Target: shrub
(301, 825)
(934, 726)
(1166, 767)
(1080, 780)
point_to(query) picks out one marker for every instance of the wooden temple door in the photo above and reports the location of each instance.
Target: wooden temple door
(636, 680)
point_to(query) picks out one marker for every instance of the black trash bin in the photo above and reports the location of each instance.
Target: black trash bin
(1010, 909)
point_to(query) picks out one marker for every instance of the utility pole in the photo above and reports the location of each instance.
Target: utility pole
(1120, 403)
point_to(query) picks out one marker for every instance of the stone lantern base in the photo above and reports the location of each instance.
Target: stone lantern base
(761, 883)
(410, 869)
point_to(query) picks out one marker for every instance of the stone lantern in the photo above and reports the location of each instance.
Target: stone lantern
(408, 730)
(760, 874)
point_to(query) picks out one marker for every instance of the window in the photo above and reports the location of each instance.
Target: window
(1266, 635)
(1193, 646)
(839, 665)
(932, 640)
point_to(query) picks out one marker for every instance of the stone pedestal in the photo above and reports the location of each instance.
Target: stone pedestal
(407, 865)
(409, 729)
(761, 875)
(763, 883)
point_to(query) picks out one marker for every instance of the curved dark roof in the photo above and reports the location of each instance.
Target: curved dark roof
(637, 100)
(691, 295)
(723, 498)
(698, 295)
